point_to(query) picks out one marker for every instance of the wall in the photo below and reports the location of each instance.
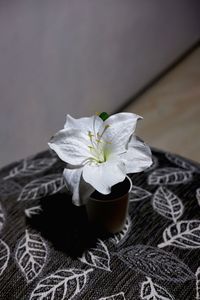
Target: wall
(79, 57)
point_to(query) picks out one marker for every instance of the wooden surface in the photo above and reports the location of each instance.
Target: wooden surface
(171, 110)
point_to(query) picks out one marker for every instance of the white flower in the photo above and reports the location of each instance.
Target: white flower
(99, 153)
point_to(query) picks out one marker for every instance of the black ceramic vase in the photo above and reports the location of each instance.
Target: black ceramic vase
(108, 213)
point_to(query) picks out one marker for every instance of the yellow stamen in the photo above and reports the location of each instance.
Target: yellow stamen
(91, 148)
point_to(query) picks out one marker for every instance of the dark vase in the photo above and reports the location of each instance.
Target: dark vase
(108, 213)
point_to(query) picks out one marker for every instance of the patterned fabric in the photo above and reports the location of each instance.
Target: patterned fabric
(49, 251)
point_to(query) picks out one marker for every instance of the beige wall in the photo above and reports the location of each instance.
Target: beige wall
(79, 57)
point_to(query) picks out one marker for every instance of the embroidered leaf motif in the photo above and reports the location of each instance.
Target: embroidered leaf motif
(180, 162)
(31, 167)
(63, 284)
(183, 234)
(198, 195)
(4, 256)
(155, 263)
(119, 296)
(152, 291)
(98, 257)
(8, 188)
(120, 237)
(35, 210)
(198, 284)
(138, 194)
(183, 163)
(31, 255)
(2, 218)
(39, 188)
(154, 164)
(167, 204)
(169, 176)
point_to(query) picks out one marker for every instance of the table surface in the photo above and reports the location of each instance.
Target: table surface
(49, 251)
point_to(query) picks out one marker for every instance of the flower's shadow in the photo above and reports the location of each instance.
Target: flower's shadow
(65, 225)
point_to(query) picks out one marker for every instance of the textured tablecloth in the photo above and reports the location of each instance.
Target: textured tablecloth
(49, 251)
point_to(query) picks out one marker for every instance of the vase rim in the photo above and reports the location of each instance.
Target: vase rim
(117, 198)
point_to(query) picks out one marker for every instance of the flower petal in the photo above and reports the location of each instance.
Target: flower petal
(103, 176)
(138, 156)
(71, 146)
(121, 127)
(80, 189)
(72, 179)
(85, 124)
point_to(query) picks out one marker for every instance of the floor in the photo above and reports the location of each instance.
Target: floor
(171, 109)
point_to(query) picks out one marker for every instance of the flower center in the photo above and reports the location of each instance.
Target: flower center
(98, 146)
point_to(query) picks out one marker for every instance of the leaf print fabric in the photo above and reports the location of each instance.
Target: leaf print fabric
(198, 284)
(169, 176)
(152, 291)
(119, 296)
(184, 234)
(167, 204)
(31, 167)
(9, 188)
(180, 162)
(4, 256)
(155, 263)
(34, 210)
(154, 257)
(138, 194)
(31, 255)
(98, 257)
(2, 218)
(63, 284)
(198, 195)
(39, 188)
